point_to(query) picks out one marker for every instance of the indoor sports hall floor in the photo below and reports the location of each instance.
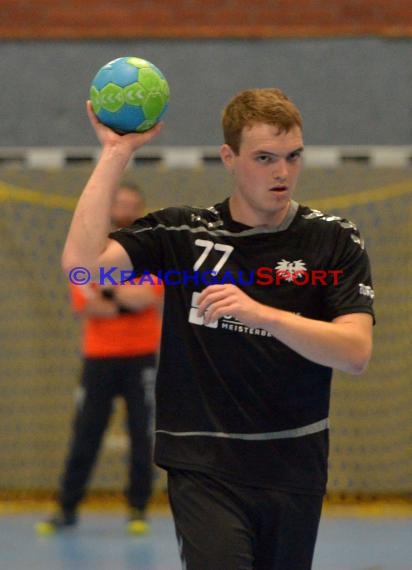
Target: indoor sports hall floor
(376, 537)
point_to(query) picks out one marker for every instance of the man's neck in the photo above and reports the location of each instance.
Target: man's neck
(243, 214)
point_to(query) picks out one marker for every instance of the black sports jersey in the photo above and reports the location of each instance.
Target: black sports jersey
(233, 400)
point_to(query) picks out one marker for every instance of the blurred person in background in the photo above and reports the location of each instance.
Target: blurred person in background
(121, 334)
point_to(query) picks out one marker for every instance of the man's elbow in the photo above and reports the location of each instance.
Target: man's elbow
(77, 268)
(360, 361)
(69, 262)
(357, 368)
(66, 264)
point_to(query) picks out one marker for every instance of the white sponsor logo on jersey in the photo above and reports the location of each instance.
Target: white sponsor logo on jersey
(194, 318)
(366, 290)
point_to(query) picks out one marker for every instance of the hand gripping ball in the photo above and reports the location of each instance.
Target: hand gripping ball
(129, 94)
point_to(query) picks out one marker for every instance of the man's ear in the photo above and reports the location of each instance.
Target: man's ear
(227, 156)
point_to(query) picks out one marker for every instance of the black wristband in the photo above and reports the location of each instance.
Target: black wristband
(123, 310)
(108, 294)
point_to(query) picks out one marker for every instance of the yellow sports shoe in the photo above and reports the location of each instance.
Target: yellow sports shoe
(137, 524)
(56, 523)
(44, 528)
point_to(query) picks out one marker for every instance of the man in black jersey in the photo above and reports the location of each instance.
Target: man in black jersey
(263, 298)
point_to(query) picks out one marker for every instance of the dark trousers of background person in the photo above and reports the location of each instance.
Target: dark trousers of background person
(103, 379)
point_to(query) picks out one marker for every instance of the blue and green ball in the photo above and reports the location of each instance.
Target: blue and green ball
(129, 94)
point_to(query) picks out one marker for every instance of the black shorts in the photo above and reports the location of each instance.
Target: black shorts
(225, 526)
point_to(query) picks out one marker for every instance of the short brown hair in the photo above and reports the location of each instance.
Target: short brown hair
(262, 105)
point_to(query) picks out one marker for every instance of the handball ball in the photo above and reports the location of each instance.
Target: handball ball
(129, 94)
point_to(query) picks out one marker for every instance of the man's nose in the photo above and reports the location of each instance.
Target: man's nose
(280, 171)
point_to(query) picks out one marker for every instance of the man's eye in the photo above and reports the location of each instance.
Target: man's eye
(294, 156)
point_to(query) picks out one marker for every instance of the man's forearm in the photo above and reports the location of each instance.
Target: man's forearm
(87, 237)
(344, 344)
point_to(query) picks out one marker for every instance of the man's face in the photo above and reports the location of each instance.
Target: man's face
(127, 207)
(265, 171)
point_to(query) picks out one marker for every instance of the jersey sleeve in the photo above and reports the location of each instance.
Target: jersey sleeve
(350, 288)
(142, 243)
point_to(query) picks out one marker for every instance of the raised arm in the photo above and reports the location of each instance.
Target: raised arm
(87, 244)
